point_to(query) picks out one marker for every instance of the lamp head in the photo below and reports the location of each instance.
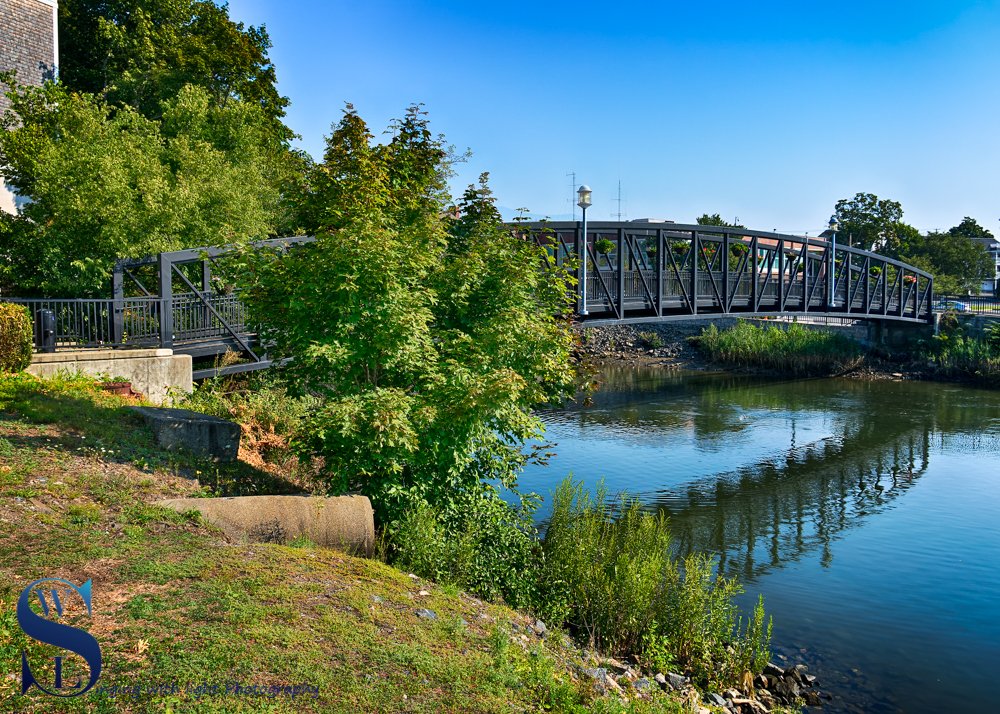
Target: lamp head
(834, 225)
(584, 195)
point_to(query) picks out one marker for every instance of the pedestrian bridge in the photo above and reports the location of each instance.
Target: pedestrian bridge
(644, 271)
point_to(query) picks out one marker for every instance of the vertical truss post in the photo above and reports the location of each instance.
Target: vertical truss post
(118, 304)
(805, 275)
(848, 295)
(754, 302)
(781, 275)
(621, 272)
(694, 252)
(866, 275)
(885, 288)
(206, 292)
(726, 302)
(660, 250)
(166, 301)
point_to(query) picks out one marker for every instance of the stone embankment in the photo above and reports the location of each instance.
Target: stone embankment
(664, 343)
(789, 687)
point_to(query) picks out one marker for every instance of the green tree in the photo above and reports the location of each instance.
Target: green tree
(108, 183)
(715, 220)
(428, 339)
(140, 53)
(870, 223)
(958, 263)
(969, 228)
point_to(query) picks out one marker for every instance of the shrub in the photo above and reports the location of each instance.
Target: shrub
(484, 546)
(16, 337)
(269, 415)
(700, 629)
(651, 339)
(604, 246)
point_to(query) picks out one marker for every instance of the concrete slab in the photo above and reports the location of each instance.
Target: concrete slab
(343, 522)
(202, 434)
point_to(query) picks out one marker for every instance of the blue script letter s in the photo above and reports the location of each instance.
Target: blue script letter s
(58, 635)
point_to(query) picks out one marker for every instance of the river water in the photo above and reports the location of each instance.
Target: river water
(866, 513)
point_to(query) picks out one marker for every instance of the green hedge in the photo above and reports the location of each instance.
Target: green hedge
(16, 337)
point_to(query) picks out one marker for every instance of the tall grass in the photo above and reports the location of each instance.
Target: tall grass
(794, 350)
(604, 571)
(975, 358)
(611, 566)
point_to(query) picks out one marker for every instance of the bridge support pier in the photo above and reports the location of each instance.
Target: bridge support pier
(897, 335)
(155, 373)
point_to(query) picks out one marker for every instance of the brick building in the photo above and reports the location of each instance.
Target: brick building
(29, 43)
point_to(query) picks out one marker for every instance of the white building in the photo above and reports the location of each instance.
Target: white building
(992, 246)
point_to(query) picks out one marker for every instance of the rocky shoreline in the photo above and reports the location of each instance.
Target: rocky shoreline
(790, 687)
(667, 345)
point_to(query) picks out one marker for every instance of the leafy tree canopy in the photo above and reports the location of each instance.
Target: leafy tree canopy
(427, 338)
(715, 220)
(139, 53)
(109, 183)
(870, 223)
(958, 263)
(969, 228)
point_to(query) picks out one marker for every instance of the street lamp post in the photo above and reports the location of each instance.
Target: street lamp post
(832, 278)
(584, 195)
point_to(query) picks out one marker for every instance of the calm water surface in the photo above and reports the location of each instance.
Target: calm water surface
(868, 515)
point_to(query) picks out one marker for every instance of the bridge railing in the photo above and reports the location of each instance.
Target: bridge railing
(86, 322)
(642, 270)
(134, 321)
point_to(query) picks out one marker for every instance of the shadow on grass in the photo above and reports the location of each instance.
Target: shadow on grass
(99, 424)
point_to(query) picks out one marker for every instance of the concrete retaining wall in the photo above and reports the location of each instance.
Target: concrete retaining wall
(155, 373)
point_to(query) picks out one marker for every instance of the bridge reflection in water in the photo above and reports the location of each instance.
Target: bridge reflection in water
(784, 494)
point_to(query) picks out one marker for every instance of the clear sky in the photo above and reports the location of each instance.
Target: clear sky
(766, 111)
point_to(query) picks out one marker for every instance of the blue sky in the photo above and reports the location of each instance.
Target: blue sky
(766, 111)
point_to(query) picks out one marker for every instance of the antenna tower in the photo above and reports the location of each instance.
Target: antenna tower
(572, 192)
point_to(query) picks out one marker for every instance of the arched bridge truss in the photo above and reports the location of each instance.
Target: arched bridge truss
(647, 271)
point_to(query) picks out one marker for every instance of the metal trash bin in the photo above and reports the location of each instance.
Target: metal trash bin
(45, 331)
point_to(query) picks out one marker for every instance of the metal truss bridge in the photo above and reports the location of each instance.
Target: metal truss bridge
(656, 271)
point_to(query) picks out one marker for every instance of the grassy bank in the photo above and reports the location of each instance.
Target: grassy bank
(957, 355)
(793, 350)
(175, 602)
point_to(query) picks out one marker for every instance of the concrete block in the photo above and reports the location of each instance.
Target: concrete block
(156, 373)
(202, 434)
(344, 522)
